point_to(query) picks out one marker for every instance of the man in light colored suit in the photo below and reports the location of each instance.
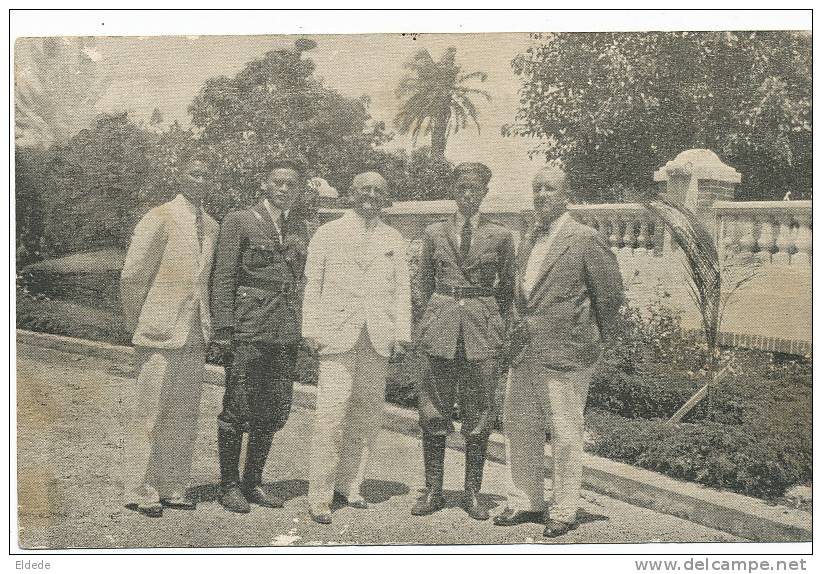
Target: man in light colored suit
(569, 290)
(164, 293)
(356, 313)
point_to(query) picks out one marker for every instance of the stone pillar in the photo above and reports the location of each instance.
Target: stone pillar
(697, 178)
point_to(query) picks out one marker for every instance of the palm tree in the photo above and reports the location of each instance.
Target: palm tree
(435, 99)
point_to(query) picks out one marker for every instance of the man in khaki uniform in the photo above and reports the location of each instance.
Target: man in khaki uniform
(466, 277)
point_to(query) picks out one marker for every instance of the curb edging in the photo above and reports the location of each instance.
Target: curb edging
(730, 512)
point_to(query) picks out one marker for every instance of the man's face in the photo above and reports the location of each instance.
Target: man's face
(369, 194)
(468, 192)
(195, 181)
(282, 187)
(550, 194)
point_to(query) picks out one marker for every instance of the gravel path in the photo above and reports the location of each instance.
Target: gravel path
(70, 419)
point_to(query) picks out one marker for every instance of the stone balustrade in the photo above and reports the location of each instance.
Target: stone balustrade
(627, 227)
(779, 232)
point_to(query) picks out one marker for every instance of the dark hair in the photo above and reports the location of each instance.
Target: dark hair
(482, 170)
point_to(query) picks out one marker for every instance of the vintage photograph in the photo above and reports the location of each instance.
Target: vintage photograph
(413, 289)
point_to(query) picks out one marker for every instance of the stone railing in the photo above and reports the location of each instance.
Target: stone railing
(777, 231)
(628, 227)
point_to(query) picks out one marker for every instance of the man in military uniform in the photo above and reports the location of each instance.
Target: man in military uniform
(256, 305)
(466, 281)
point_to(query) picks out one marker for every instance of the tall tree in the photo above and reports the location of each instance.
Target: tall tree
(613, 107)
(276, 105)
(436, 99)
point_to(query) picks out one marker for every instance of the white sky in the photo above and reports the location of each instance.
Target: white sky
(167, 72)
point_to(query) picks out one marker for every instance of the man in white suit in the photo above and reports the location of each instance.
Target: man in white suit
(356, 313)
(164, 293)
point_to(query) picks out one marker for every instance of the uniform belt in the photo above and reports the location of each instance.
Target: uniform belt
(464, 292)
(268, 288)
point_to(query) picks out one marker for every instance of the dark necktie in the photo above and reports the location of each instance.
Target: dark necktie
(465, 238)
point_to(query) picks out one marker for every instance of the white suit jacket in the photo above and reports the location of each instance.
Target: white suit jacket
(351, 283)
(165, 279)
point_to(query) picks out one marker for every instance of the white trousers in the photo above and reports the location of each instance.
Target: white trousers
(348, 418)
(537, 398)
(162, 428)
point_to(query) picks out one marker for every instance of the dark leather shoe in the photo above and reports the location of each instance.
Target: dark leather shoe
(320, 516)
(472, 506)
(233, 499)
(554, 528)
(511, 517)
(428, 503)
(258, 496)
(153, 510)
(179, 503)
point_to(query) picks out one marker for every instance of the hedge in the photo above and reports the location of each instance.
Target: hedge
(760, 461)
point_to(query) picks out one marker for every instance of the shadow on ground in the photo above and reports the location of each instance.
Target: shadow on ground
(285, 489)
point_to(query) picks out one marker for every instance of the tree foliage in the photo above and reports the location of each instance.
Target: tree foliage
(97, 184)
(89, 191)
(275, 105)
(436, 99)
(419, 175)
(30, 164)
(613, 107)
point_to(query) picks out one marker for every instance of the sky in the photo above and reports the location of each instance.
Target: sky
(166, 72)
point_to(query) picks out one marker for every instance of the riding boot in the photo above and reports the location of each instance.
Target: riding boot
(475, 449)
(433, 454)
(229, 443)
(259, 444)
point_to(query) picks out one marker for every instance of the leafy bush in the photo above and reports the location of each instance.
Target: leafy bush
(752, 459)
(652, 368)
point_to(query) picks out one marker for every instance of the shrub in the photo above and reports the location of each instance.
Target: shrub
(754, 460)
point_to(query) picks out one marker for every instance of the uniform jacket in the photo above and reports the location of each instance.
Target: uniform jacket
(575, 300)
(351, 283)
(489, 263)
(164, 282)
(258, 279)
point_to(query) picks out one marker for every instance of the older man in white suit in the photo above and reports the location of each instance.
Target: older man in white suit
(164, 293)
(356, 313)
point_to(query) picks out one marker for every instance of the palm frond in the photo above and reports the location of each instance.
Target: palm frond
(470, 111)
(465, 77)
(703, 268)
(463, 90)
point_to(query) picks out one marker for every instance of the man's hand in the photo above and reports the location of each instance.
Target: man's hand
(313, 345)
